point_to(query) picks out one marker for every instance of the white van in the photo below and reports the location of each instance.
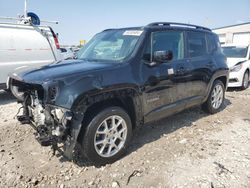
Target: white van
(25, 45)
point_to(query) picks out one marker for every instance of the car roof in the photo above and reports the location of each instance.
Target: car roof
(166, 25)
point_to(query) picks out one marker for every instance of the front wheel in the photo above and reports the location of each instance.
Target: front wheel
(245, 81)
(216, 98)
(107, 136)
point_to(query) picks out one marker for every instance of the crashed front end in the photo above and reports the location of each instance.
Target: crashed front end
(53, 124)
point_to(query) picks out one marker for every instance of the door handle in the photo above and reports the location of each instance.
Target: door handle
(210, 65)
(181, 71)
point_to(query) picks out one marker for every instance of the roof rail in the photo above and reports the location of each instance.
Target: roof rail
(178, 24)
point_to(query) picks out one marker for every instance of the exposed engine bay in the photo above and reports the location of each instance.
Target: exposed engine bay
(50, 122)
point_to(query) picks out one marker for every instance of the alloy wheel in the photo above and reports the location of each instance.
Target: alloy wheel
(110, 136)
(245, 80)
(217, 96)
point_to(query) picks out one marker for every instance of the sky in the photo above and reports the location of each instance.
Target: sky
(82, 19)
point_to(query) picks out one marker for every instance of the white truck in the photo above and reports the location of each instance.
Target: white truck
(25, 45)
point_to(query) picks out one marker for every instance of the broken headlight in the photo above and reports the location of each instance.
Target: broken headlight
(53, 92)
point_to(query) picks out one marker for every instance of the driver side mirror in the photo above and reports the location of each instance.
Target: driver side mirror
(162, 56)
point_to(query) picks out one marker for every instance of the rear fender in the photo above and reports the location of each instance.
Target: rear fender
(221, 73)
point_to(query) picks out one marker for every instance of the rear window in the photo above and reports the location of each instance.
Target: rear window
(196, 44)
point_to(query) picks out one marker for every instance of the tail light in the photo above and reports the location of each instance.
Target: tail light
(56, 42)
(55, 39)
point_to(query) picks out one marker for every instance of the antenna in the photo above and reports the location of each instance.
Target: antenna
(28, 17)
(25, 9)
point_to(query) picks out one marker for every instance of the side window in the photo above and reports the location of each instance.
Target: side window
(211, 43)
(196, 42)
(166, 41)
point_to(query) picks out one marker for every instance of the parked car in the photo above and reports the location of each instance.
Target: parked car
(25, 45)
(123, 79)
(238, 59)
(75, 49)
(67, 53)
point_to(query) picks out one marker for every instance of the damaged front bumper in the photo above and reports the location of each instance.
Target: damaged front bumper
(54, 125)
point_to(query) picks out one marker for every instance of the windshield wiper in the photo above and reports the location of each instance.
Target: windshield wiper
(93, 60)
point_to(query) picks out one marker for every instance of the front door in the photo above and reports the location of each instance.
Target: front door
(164, 91)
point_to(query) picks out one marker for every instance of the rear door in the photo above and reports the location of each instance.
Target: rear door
(202, 62)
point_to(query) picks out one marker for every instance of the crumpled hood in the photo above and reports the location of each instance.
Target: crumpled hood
(233, 61)
(58, 70)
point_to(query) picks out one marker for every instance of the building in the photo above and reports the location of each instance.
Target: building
(237, 34)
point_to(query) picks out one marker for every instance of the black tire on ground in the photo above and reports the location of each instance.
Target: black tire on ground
(208, 105)
(88, 140)
(19, 95)
(245, 81)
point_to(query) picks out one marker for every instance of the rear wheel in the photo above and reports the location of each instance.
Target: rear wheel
(245, 81)
(216, 98)
(107, 136)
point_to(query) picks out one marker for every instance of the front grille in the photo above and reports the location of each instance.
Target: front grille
(233, 80)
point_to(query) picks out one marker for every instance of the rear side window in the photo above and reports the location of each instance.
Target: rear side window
(211, 43)
(196, 42)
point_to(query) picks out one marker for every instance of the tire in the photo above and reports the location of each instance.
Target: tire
(19, 95)
(99, 138)
(245, 81)
(210, 105)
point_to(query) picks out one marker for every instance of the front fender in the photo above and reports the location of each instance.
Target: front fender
(85, 100)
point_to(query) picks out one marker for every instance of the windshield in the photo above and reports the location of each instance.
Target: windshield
(110, 45)
(235, 52)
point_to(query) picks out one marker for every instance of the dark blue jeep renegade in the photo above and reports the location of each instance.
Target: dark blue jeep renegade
(121, 79)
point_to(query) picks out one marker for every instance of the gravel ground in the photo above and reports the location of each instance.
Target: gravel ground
(190, 149)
